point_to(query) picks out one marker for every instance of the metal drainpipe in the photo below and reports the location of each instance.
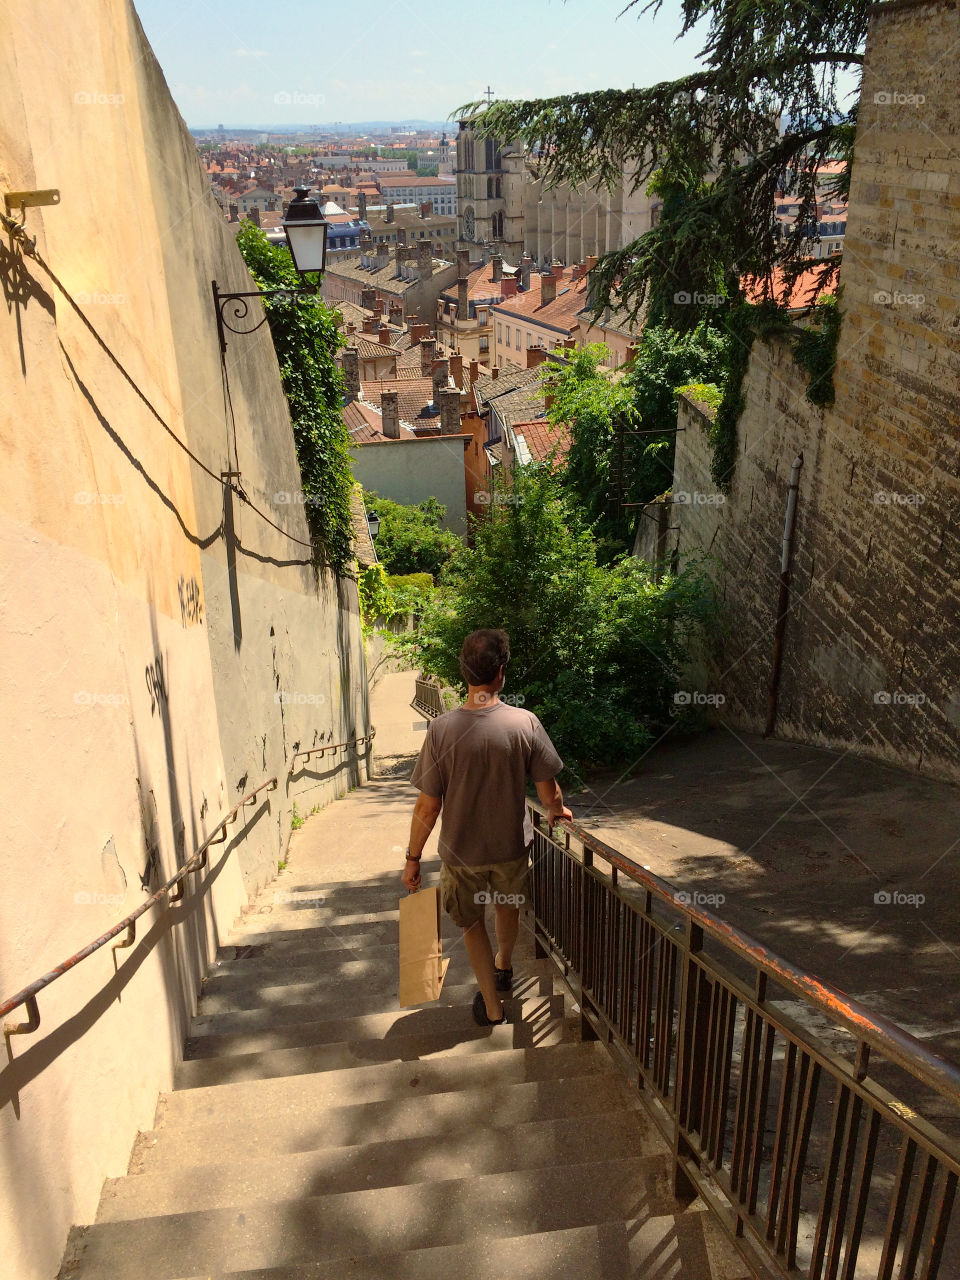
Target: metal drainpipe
(783, 603)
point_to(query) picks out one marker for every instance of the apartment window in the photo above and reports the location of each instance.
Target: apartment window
(499, 332)
(508, 335)
(484, 344)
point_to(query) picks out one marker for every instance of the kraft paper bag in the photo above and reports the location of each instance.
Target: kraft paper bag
(422, 966)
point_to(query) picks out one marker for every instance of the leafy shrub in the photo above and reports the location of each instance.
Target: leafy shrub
(596, 651)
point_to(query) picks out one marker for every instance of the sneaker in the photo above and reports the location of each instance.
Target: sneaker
(504, 979)
(480, 1013)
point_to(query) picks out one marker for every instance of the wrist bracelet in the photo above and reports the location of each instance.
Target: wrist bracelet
(411, 858)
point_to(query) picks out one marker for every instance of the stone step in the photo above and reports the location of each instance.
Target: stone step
(334, 1007)
(381, 1221)
(458, 1040)
(332, 1170)
(348, 992)
(270, 920)
(307, 1094)
(684, 1246)
(244, 1132)
(283, 1032)
(546, 1255)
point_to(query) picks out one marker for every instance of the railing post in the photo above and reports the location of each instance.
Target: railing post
(691, 1036)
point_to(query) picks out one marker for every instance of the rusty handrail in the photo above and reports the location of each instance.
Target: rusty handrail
(128, 925)
(334, 747)
(882, 1034)
(802, 1152)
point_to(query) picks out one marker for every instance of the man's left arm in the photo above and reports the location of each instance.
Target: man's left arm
(425, 814)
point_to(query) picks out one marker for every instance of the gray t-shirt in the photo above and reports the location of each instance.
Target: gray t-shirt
(479, 762)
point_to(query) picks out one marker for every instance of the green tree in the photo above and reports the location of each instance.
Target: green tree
(714, 138)
(411, 538)
(595, 651)
(306, 339)
(624, 431)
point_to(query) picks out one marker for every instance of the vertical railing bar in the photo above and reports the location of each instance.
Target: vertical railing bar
(898, 1204)
(798, 1159)
(938, 1236)
(851, 1139)
(838, 1131)
(918, 1220)
(744, 1098)
(860, 1195)
(788, 1097)
(759, 1118)
(726, 1066)
(708, 1083)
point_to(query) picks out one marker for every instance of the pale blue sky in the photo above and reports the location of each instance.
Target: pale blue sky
(230, 60)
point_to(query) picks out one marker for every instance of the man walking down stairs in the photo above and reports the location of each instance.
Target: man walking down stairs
(317, 1130)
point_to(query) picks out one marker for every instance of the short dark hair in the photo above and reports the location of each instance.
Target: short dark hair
(484, 652)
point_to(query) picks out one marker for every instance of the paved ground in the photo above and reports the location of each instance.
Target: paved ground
(799, 841)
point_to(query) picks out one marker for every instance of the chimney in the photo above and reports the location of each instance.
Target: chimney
(526, 262)
(401, 235)
(463, 298)
(390, 409)
(396, 313)
(350, 364)
(449, 411)
(426, 209)
(508, 287)
(383, 335)
(254, 216)
(536, 356)
(418, 331)
(425, 259)
(441, 377)
(428, 347)
(362, 205)
(590, 262)
(234, 213)
(548, 287)
(463, 262)
(383, 255)
(497, 261)
(271, 206)
(378, 305)
(398, 256)
(474, 370)
(367, 298)
(456, 368)
(389, 215)
(351, 327)
(366, 239)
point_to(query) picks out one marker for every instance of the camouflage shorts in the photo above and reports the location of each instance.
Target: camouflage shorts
(466, 891)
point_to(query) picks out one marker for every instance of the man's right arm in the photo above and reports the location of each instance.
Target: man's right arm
(551, 797)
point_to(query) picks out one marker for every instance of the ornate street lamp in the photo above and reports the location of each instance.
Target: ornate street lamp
(373, 523)
(306, 231)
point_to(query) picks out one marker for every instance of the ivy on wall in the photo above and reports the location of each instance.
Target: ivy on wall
(814, 351)
(306, 340)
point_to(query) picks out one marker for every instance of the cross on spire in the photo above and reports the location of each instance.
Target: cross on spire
(488, 94)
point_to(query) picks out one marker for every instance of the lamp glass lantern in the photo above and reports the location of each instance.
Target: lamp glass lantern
(306, 231)
(373, 523)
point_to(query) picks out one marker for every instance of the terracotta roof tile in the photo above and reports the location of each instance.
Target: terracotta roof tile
(415, 397)
(561, 312)
(542, 437)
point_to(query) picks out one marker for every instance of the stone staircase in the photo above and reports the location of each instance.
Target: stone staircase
(317, 1130)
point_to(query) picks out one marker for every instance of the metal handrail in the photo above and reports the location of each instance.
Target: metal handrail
(732, 1074)
(334, 747)
(882, 1034)
(128, 925)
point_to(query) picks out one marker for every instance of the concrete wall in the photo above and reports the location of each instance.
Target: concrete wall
(870, 657)
(162, 655)
(409, 471)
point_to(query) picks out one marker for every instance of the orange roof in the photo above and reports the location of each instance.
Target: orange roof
(541, 438)
(805, 292)
(561, 312)
(480, 285)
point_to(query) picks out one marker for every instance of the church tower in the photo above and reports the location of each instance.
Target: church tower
(489, 196)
